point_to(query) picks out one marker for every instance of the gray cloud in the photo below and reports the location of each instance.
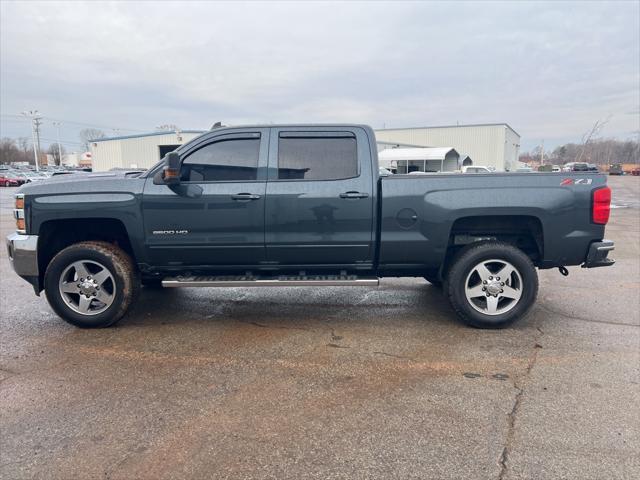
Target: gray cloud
(548, 69)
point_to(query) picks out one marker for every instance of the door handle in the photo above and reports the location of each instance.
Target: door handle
(245, 196)
(354, 195)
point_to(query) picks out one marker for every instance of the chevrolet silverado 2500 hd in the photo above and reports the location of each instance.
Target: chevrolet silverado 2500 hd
(300, 205)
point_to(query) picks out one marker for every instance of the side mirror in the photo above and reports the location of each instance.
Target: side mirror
(171, 169)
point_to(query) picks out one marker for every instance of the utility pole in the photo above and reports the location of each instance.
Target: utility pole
(57, 125)
(542, 153)
(36, 121)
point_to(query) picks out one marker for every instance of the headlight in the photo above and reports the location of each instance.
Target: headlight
(18, 213)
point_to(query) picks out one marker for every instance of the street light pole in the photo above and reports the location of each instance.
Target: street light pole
(35, 117)
(57, 125)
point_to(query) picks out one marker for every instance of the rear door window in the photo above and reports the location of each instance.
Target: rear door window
(317, 157)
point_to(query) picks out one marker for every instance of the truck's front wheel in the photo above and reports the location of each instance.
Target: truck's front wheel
(91, 284)
(491, 284)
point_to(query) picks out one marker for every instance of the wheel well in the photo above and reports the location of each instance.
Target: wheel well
(523, 232)
(55, 235)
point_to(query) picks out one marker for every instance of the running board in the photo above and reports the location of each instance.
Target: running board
(281, 281)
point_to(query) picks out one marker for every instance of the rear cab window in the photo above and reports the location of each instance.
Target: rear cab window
(317, 156)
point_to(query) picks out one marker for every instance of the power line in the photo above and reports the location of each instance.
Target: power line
(94, 125)
(83, 124)
(65, 142)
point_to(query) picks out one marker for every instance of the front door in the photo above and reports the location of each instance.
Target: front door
(215, 216)
(319, 209)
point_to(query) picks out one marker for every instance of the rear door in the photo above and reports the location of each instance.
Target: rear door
(215, 216)
(319, 208)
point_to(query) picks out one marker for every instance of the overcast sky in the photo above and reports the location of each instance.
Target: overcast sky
(550, 70)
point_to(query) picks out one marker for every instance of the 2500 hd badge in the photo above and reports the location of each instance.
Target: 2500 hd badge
(170, 232)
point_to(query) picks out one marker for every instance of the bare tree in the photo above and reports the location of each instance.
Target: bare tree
(88, 135)
(587, 137)
(15, 151)
(24, 144)
(54, 151)
(605, 151)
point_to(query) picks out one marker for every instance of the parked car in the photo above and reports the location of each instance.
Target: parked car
(524, 169)
(616, 169)
(592, 168)
(296, 205)
(9, 179)
(576, 167)
(67, 172)
(555, 168)
(34, 177)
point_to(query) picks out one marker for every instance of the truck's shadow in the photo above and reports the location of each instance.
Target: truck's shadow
(291, 306)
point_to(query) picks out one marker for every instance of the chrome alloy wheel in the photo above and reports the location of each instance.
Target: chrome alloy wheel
(87, 287)
(493, 287)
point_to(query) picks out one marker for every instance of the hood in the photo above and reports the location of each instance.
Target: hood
(116, 181)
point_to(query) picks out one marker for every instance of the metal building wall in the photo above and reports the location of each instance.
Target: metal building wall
(106, 155)
(511, 149)
(134, 152)
(485, 144)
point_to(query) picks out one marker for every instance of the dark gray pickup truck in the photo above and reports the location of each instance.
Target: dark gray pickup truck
(298, 205)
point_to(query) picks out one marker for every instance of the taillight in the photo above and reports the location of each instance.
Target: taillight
(601, 206)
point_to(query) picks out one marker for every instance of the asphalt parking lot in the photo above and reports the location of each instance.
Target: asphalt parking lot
(329, 383)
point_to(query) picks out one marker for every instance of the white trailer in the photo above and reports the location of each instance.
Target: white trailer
(427, 159)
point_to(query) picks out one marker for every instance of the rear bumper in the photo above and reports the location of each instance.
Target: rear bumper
(598, 254)
(23, 255)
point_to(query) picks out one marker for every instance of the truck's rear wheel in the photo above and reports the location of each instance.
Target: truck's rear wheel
(491, 284)
(91, 284)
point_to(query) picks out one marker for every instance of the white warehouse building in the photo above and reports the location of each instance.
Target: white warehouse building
(136, 151)
(491, 145)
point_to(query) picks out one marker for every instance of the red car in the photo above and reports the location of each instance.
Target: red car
(8, 179)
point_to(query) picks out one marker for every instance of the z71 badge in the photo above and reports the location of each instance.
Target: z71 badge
(576, 181)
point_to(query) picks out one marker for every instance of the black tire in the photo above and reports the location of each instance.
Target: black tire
(124, 283)
(433, 279)
(460, 271)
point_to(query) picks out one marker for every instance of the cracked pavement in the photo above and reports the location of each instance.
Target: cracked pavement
(342, 383)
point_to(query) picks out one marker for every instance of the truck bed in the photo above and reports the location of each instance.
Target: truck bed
(420, 214)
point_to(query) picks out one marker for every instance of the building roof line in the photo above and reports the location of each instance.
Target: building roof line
(400, 144)
(142, 135)
(450, 126)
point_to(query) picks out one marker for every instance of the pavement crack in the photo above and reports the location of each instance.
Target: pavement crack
(519, 384)
(335, 345)
(335, 337)
(8, 374)
(584, 319)
(402, 357)
(278, 327)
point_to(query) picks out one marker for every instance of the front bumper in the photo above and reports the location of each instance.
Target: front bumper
(23, 255)
(597, 255)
